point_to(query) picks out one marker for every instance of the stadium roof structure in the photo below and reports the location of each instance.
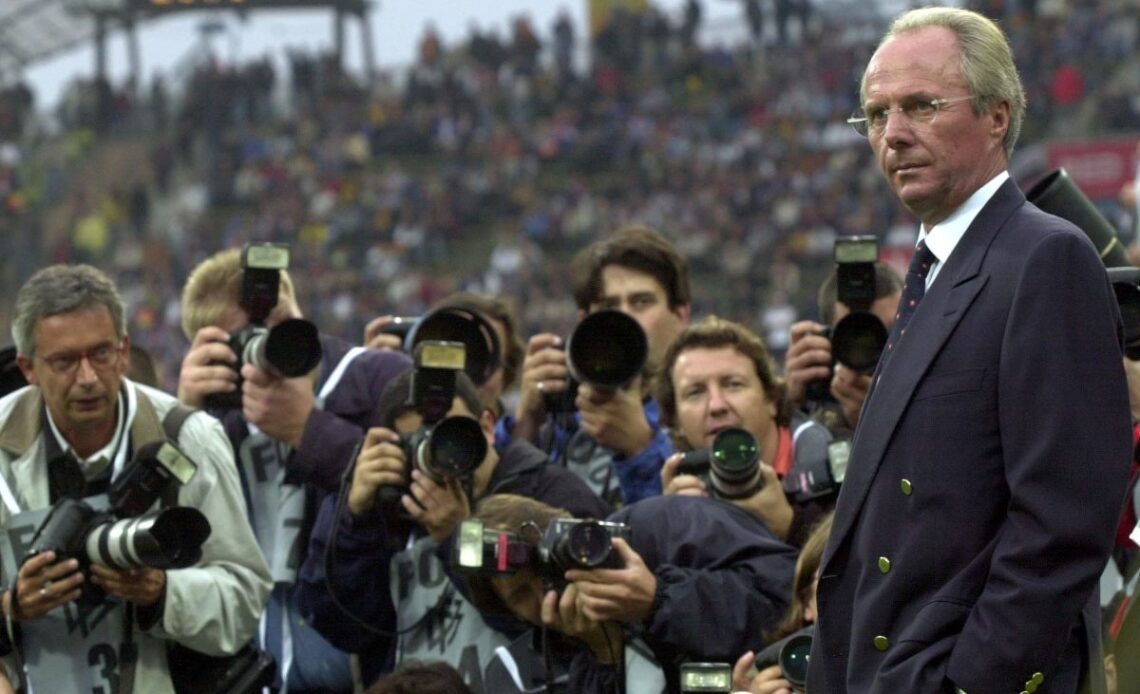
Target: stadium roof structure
(34, 30)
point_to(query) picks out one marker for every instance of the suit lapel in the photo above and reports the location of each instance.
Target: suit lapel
(955, 288)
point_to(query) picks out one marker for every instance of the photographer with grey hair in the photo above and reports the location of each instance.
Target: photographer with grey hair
(79, 429)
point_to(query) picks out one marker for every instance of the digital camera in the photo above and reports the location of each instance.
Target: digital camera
(129, 536)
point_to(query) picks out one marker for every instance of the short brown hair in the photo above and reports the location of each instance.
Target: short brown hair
(712, 333)
(636, 247)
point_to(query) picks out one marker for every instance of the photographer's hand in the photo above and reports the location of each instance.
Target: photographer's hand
(850, 390)
(379, 463)
(624, 595)
(770, 504)
(42, 585)
(770, 680)
(561, 613)
(205, 369)
(616, 419)
(684, 485)
(543, 371)
(280, 407)
(808, 359)
(441, 507)
(376, 338)
(142, 586)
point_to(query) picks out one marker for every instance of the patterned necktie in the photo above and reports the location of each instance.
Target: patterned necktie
(913, 290)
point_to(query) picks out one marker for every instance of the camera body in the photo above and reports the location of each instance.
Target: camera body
(443, 447)
(607, 350)
(857, 341)
(568, 543)
(127, 535)
(730, 467)
(289, 349)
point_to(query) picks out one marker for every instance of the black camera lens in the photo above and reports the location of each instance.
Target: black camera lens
(457, 324)
(734, 454)
(607, 349)
(858, 341)
(794, 659)
(1128, 299)
(588, 544)
(455, 447)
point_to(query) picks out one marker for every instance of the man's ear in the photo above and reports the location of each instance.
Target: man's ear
(683, 311)
(25, 365)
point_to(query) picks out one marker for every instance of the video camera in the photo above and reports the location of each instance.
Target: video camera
(289, 349)
(443, 447)
(454, 324)
(791, 653)
(730, 467)
(568, 543)
(606, 350)
(128, 536)
(858, 339)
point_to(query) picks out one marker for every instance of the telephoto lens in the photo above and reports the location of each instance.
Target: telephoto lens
(731, 466)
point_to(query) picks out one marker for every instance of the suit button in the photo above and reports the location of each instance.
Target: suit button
(906, 487)
(884, 565)
(1038, 679)
(1031, 686)
(881, 643)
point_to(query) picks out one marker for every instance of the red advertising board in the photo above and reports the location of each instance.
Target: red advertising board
(1099, 167)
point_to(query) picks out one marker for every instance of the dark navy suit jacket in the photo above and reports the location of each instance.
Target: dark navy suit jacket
(986, 477)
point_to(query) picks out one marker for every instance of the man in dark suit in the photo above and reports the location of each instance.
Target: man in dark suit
(990, 460)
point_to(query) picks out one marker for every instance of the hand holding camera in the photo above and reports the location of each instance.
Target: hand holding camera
(544, 375)
(279, 407)
(380, 463)
(620, 594)
(807, 361)
(615, 418)
(208, 369)
(560, 611)
(43, 584)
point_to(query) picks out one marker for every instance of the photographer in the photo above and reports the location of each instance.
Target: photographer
(636, 271)
(292, 436)
(718, 375)
(384, 548)
(809, 358)
(698, 580)
(388, 332)
(69, 435)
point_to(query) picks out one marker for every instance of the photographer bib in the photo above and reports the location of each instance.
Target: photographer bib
(75, 647)
(441, 624)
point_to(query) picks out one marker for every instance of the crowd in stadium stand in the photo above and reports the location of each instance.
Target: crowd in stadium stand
(488, 162)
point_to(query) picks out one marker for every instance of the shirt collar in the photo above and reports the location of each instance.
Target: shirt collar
(944, 236)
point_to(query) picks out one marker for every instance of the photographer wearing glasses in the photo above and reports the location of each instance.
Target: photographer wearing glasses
(986, 475)
(295, 404)
(67, 441)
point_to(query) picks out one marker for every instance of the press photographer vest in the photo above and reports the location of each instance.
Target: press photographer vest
(74, 648)
(440, 623)
(277, 508)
